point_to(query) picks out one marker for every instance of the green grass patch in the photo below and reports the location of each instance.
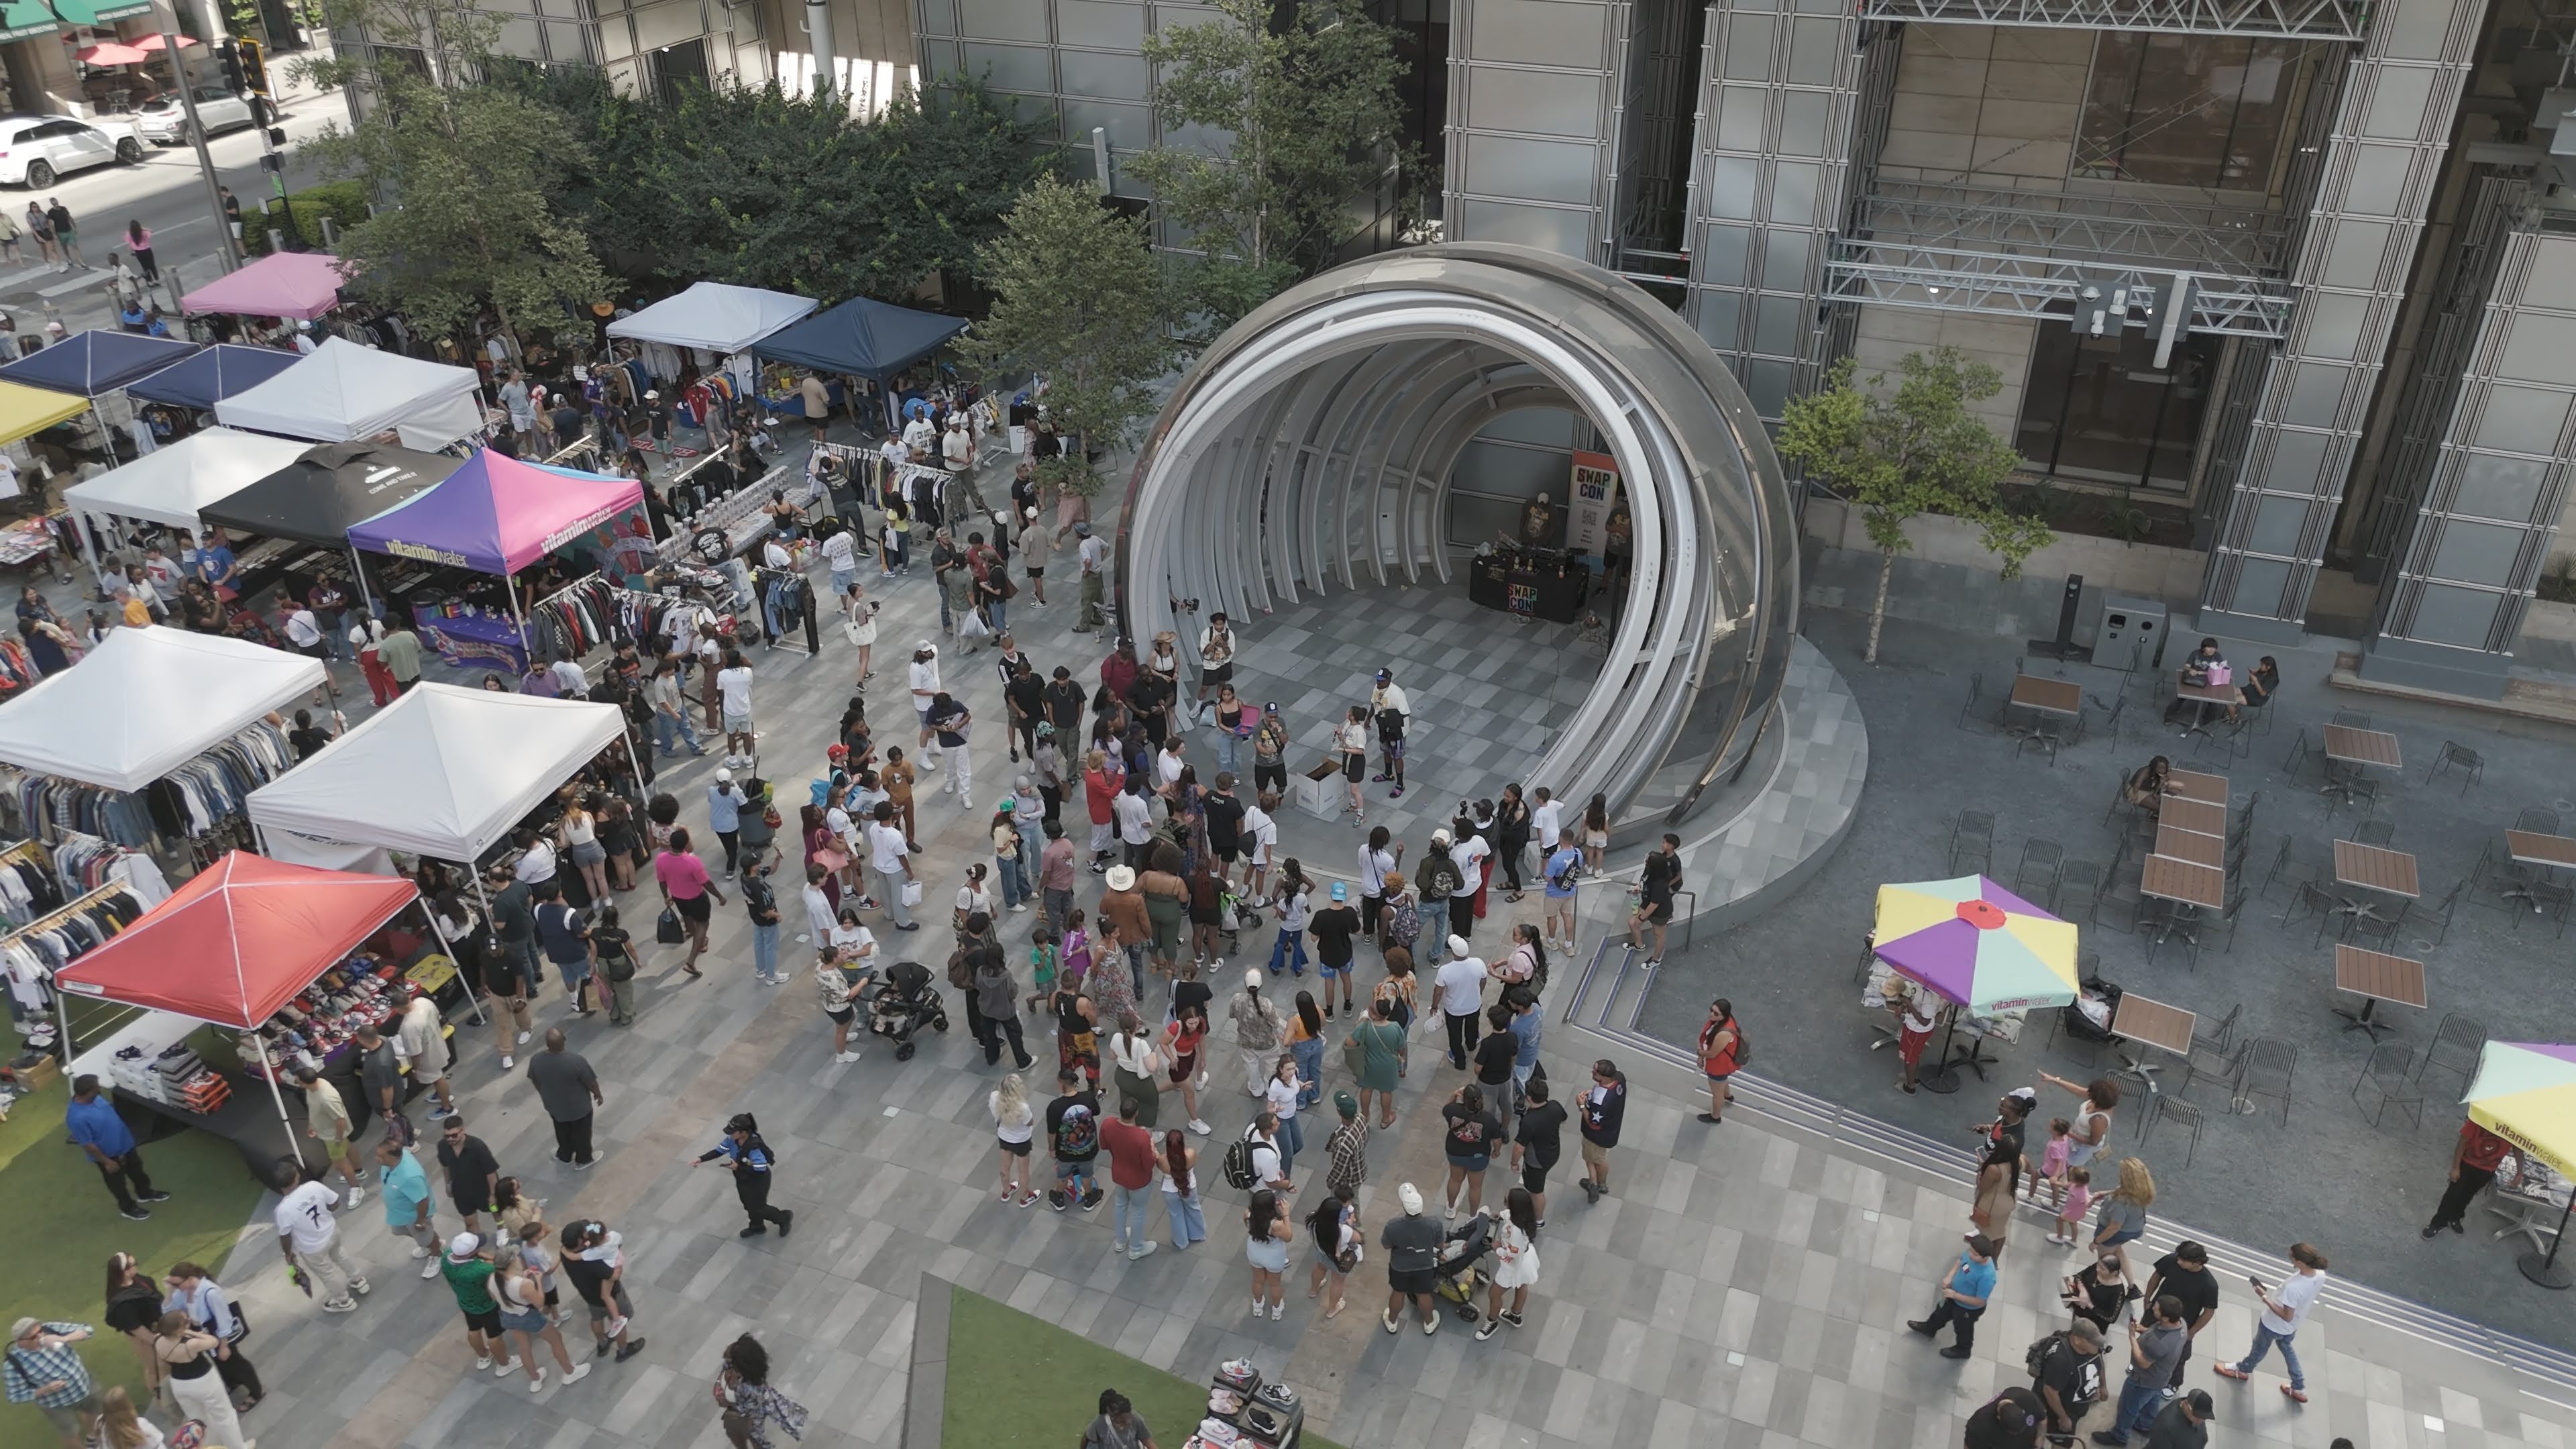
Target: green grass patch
(67, 1225)
(1017, 1382)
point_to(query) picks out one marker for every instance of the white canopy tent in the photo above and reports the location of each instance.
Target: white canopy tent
(146, 702)
(442, 771)
(170, 484)
(344, 392)
(715, 316)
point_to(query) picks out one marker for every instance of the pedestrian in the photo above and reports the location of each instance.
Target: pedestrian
(210, 1308)
(2155, 1347)
(405, 1188)
(753, 1168)
(469, 1271)
(420, 1044)
(1335, 1227)
(1536, 1141)
(1073, 1139)
(2122, 1215)
(949, 720)
(2474, 1159)
(1964, 1292)
(1918, 1014)
(1178, 1170)
(1997, 1193)
(569, 1089)
(519, 1298)
(134, 1308)
(1500, 1049)
(686, 891)
(1412, 1244)
(1472, 854)
(1264, 1155)
(595, 1261)
(1265, 1247)
(66, 233)
(1604, 1107)
(102, 1136)
(1091, 554)
(1131, 1181)
(1119, 1425)
(1460, 986)
(2184, 1423)
(997, 1001)
(1350, 740)
(399, 650)
(564, 932)
(1256, 1034)
(2090, 1132)
(615, 952)
(1511, 838)
(1515, 1262)
(1306, 1049)
(2183, 1275)
(2010, 1420)
(1014, 1123)
(2069, 1380)
(725, 804)
(1435, 879)
(1137, 1069)
(188, 1356)
(750, 1405)
(2100, 1294)
(1335, 928)
(1473, 1129)
(1654, 909)
(1389, 710)
(326, 1120)
(472, 1173)
(308, 1235)
(890, 859)
(43, 1366)
(1721, 1049)
(1377, 1045)
(2284, 1310)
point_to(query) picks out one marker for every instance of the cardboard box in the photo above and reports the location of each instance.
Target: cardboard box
(1319, 790)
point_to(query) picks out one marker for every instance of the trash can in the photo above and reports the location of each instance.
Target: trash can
(2133, 633)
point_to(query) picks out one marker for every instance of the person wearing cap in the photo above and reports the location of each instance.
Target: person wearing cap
(1412, 1243)
(754, 1174)
(1435, 879)
(725, 804)
(1092, 555)
(1389, 709)
(1964, 1291)
(468, 1269)
(1035, 539)
(1460, 986)
(42, 1366)
(1257, 1028)
(2184, 1274)
(594, 1261)
(1024, 694)
(1270, 752)
(1335, 928)
(2184, 1423)
(1123, 905)
(2155, 1347)
(1605, 1108)
(2010, 1420)
(93, 1126)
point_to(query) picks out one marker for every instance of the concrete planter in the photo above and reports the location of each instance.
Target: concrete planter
(2148, 570)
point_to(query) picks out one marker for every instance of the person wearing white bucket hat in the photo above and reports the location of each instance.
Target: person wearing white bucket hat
(1412, 1244)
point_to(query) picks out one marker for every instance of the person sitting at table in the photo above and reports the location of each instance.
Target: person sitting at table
(2147, 788)
(2256, 689)
(2204, 661)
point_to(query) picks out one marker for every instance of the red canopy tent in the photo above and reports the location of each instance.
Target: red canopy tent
(239, 940)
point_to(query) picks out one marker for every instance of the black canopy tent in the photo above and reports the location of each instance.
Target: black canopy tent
(862, 338)
(333, 488)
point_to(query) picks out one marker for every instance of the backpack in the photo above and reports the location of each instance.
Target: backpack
(1565, 878)
(1238, 1164)
(1405, 921)
(2034, 1361)
(1439, 876)
(961, 971)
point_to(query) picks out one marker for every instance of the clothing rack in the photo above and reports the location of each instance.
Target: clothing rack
(194, 801)
(27, 853)
(86, 862)
(69, 908)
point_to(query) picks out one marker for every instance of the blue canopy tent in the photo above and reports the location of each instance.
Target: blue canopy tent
(860, 337)
(211, 376)
(97, 361)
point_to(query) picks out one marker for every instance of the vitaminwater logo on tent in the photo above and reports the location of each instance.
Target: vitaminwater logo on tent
(425, 553)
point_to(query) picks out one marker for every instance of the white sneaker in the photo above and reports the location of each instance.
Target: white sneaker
(484, 1362)
(524, 1036)
(928, 762)
(505, 1368)
(1200, 1127)
(577, 1375)
(537, 1385)
(1451, 1215)
(1201, 1084)
(430, 1268)
(1022, 906)
(508, 1061)
(965, 802)
(845, 1058)
(1278, 1309)
(357, 1195)
(417, 1251)
(1146, 1251)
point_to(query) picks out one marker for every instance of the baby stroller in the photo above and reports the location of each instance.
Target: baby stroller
(1461, 1281)
(902, 1004)
(2077, 1019)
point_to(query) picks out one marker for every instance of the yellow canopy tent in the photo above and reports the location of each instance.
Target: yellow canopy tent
(26, 410)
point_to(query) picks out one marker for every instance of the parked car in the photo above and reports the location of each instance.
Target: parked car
(164, 122)
(36, 149)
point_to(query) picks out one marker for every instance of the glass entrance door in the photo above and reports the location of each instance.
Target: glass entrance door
(2098, 408)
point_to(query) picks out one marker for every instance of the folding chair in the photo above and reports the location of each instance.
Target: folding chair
(2385, 1076)
(2473, 766)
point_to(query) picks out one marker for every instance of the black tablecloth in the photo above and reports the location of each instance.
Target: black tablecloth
(1554, 593)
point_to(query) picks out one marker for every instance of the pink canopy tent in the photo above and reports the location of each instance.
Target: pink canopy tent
(281, 284)
(497, 515)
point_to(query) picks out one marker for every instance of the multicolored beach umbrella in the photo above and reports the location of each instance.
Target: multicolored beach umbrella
(1976, 944)
(2525, 1093)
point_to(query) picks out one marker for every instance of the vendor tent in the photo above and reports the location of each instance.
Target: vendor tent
(96, 361)
(281, 284)
(147, 701)
(239, 940)
(714, 316)
(861, 337)
(441, 771)
(28, 410)
(169, 485)
(326, 491)
(497, 515)
(344, 392)
(211, 376)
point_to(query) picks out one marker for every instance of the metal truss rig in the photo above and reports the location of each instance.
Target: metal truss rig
(1902, 274)
(2237, 241)
(2284, 19)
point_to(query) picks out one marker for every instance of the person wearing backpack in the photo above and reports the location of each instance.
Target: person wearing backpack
(2066, 1372)
(1436, 879)
(1965, 1291)
(1564, 866)
(1721, 1051)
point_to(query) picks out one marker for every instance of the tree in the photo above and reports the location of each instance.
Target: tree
(1914, 450)
(1078, 298)
(1309, 116)
(764, 187)
(463, 172)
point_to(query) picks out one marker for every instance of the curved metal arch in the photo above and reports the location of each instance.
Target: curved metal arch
(1276, 464)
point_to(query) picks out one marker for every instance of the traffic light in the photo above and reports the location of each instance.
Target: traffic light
(229, 55)
(254, 67)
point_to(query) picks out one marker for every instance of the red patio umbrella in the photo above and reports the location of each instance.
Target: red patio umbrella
(153, 42)
(108, 52)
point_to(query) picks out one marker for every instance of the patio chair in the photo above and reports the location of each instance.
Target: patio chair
(2079, 892)
(2234, 739)
(2374, 832)
(2314, 900)
(2438, 918)
(2212, 1064)
(1974, 833)
(2537, 820)
(2380, 934)
(2244, 825)
(2185, 1116)
(2384, 1076)
(2457, 1045)
(2281, 863)
(2269, 1065)
(2220, 1037)
(1976, 693)
(2120, 890)
(2472, 765)
(2352, 719)
(2550, 898)
(2086, 1052)
(2301, 752)
(2361, 792)
(2041, 861)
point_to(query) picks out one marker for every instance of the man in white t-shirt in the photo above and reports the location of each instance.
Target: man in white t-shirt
(890, 859)
(570, 681)
(304, 632)
(310, 1238)
(733, 691)
(923, 680)
(2284, 1309)
(1461, 990)
(1547, 817)
(918, 437)
(894, 453)
(957, 450)
(841, 556)
(1260, 841)
(1135, 826)
(1468, 854)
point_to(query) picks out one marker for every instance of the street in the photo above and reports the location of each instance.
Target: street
(163, 191)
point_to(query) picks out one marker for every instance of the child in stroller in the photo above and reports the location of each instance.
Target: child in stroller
(903, 1003)
(1461, 1281)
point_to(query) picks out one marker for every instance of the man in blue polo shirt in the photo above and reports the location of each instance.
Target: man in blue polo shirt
(99, 1132)
(1964, 1291)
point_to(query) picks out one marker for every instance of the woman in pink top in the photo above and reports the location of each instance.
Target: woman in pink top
(686, 889)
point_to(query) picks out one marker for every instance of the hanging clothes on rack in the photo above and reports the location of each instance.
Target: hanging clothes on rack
(27, 889)
(30, 955)
(85, 863)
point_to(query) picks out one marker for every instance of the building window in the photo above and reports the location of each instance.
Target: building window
(2097, 408)
(2185, 110)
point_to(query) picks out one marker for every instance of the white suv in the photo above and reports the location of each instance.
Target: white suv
(36, 149)
(164, 122)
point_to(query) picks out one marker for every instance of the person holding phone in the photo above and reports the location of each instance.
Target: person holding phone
(2284, 1309)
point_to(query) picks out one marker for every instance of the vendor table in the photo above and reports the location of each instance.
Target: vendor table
(247, 1118)
(1554, 593)
(2376, 977)
(2373, 868)
(2053, 701)
(2167, 1028)
(2355, 750)
(468, 640)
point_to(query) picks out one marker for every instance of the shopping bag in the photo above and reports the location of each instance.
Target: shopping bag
(911, 891)
(667, 928)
